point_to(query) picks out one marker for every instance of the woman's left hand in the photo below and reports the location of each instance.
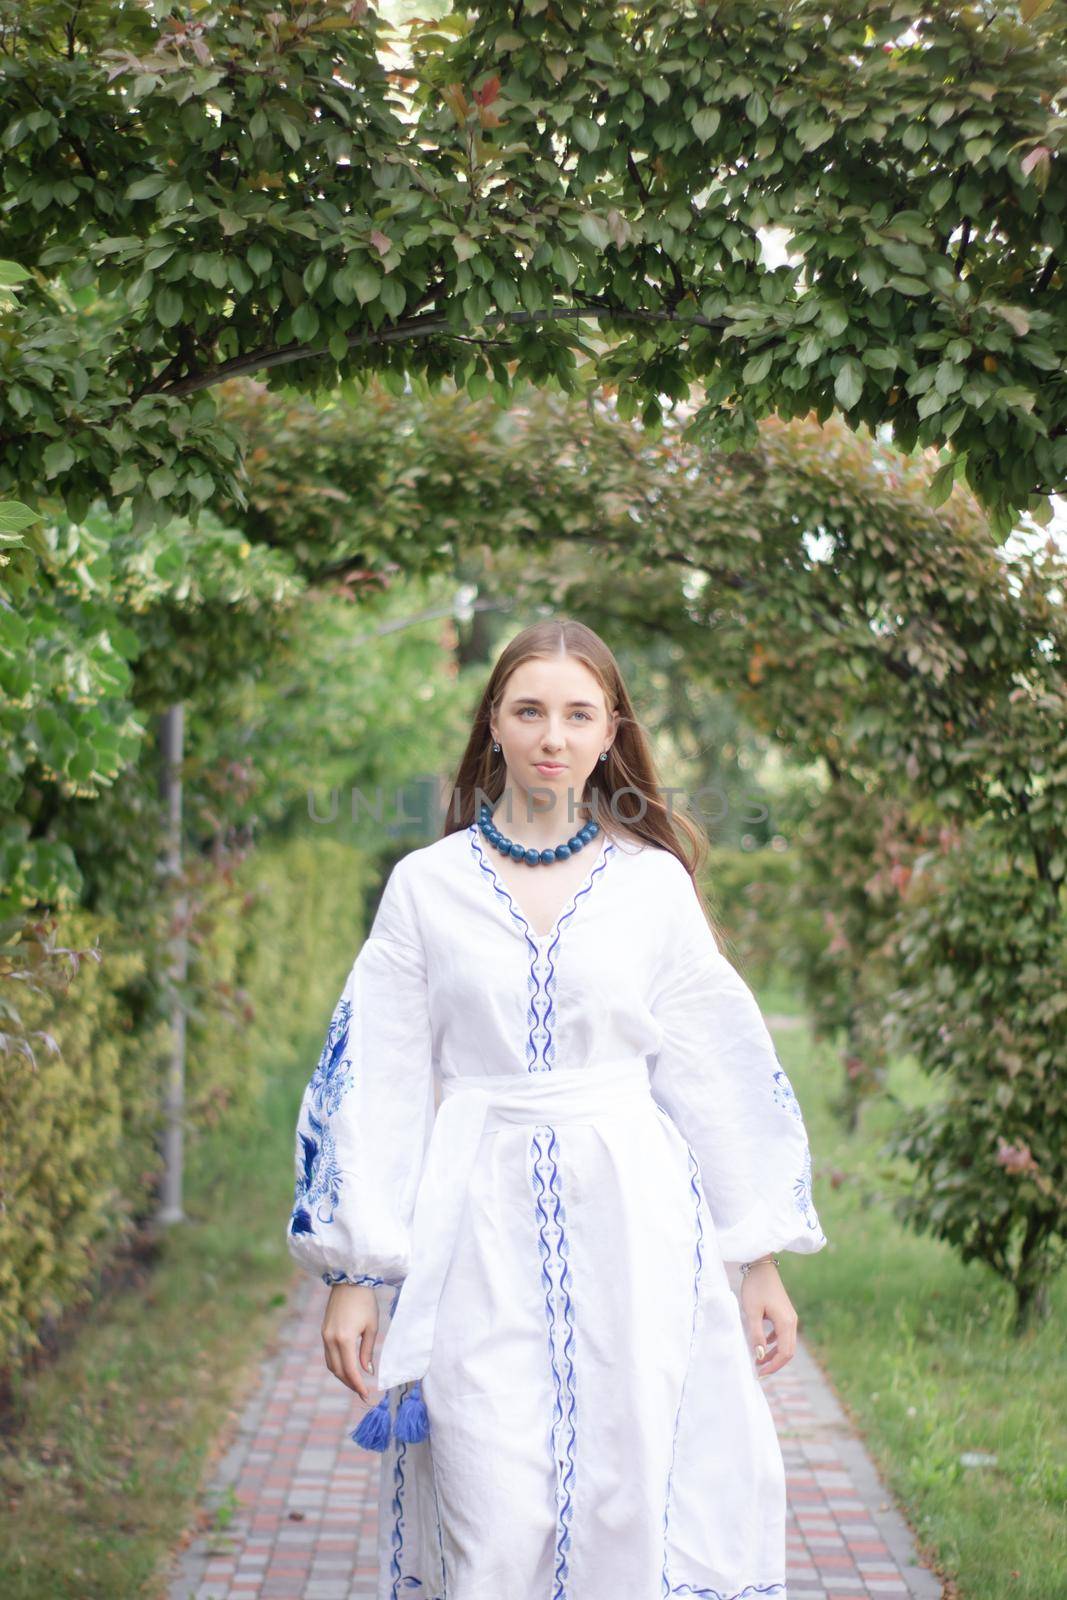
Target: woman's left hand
(763, 1296)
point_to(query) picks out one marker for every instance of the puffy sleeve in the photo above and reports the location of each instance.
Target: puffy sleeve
(368, 1109)
(718, 1077)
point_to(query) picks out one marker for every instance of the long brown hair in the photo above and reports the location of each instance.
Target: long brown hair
(623, 793)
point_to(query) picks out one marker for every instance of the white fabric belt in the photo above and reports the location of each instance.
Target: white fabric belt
(469, 1107)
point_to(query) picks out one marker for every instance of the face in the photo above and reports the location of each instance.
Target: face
(552, 711)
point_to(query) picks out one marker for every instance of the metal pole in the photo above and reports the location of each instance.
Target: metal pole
(171, 733)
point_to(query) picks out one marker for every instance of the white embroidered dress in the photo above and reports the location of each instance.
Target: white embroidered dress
(591, 1122)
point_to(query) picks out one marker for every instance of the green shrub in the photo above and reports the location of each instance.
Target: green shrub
(80, 1162)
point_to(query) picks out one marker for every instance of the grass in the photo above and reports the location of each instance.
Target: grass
(101, 1474)
(921, 1354)
(101, 1478)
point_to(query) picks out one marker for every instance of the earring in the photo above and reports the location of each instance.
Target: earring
(604, 756)
(496, 747)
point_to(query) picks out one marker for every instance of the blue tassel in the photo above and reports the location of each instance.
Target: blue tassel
(373, 1431)
(412, 1422)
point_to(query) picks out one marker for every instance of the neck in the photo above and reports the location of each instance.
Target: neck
(540, 824)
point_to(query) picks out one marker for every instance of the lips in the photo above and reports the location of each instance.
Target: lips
(550, 766)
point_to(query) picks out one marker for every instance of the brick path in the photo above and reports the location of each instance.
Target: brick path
(303, 1496)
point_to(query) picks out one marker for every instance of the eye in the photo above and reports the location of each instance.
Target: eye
(586, 717)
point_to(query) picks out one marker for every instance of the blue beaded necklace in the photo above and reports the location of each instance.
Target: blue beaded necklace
(534, 858)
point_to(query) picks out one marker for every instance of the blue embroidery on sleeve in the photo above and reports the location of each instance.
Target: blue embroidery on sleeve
(317, 1192)
(802, 1191)
(783, 1093)
(337, 1276)
(785, 1097)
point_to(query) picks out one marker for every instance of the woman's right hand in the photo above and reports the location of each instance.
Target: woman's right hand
(349, 1328)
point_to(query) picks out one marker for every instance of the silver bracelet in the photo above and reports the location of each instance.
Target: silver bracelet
(747, 1265)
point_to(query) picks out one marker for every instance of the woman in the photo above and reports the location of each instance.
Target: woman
(571, 1408)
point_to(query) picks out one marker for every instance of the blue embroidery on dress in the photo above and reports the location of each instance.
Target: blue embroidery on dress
(550, 981)
(540, 1045)
(402, 1580)
(317, 1191)
(533, 981)
(558, 1307)
(698, 1267)
(437, 1514)
(739, 1594)
(672, 1589)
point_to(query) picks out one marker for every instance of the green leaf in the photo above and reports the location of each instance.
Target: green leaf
(941, 483)
(906, 257)
(757, 367)
(848, 384)
(393, 296)
(705, 123)
(366, 282)
(58, 457)
(239, 275)
(940, 194)
(14, 516)
(11, 273)
(948, 378)
(305, 322)
(813, 133)
(594, 229)
(756, 109)
(160, 482)
(290, 132)
(314, 273)
(565, 264)
(909, 285)
(586, 131)
(168, 306)
(809, 350)
(146, 188)
(259, 258)
(871, 274)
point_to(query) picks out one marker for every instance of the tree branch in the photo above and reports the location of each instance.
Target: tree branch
(964, 242)
(1047, 270)
(635, 175)
(413, 328)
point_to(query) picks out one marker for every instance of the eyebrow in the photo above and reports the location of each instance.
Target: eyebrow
(530, 699)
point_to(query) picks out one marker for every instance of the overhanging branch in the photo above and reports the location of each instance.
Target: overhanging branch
(416, 328)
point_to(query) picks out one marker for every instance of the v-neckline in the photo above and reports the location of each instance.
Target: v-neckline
(478, 845)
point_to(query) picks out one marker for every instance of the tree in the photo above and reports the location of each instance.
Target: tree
(547, 191)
